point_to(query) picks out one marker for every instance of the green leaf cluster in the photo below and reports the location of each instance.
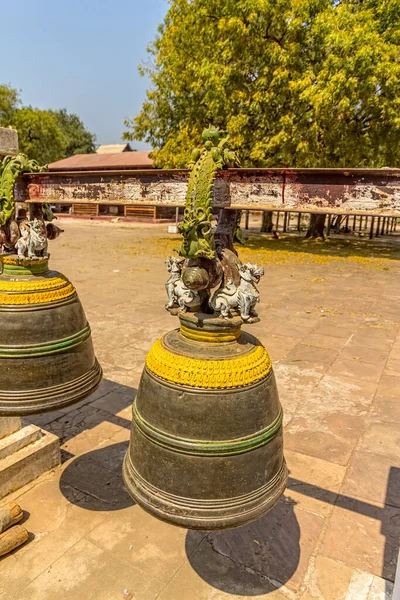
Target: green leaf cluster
(296, 83)
(44, 135)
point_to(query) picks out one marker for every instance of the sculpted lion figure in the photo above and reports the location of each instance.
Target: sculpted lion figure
(178, 294)
(33, 240)
(242, 298)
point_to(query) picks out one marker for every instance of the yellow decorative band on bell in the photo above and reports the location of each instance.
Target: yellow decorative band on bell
(210, 374)
(14, 293)
(210, 336)
(32, 286)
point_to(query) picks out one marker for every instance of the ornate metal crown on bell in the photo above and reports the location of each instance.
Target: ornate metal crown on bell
(206, 447)
(47, 359)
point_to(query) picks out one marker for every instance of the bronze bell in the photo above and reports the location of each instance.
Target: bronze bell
(206, 446)
(47, 359)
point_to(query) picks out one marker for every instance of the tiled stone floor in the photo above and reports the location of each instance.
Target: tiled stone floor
(332, 330)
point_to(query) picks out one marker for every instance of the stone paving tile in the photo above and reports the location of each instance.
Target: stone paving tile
(294, 327)
(386, 409)
(55, 526)
(357, 370)
(303, 353)
(331, 580)
(328, 580)
(313, 483)
(374, 477)
(359, 352)
(389, 386)
(277, 345)
(87, 571)
(90, 474)
(324, 341)
(218, 579)
(149, 545)
(333, 438)
(382, 438)
(363, 535)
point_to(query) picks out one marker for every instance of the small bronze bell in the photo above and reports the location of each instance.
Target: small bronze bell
(46, 353)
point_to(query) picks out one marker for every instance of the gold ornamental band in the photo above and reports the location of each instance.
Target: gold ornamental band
(211, 374)
(210, 336)
(32, 286)
(37, 296)
(23, 262)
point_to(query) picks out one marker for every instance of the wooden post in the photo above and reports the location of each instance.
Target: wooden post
(277, 221)
(354, 222)
(285, 222)
(246, 222)
(328, 229)
(371, 231)
(299, 221)
(378, 227)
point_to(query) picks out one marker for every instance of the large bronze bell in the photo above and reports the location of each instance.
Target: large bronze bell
(206, 446)
(47, 360)
(206, 443)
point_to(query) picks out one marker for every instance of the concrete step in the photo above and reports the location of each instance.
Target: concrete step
(9, 425)
(30, 461)
(19, 439)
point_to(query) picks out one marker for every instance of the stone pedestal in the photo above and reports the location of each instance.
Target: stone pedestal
(25, 453)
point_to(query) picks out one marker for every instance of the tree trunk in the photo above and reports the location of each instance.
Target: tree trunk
(266, 224)
(316, 226)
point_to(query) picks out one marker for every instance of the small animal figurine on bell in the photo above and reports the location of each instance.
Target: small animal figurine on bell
(206, 447)
(47, 360)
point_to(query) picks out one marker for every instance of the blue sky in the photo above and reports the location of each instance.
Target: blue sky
(81, 55)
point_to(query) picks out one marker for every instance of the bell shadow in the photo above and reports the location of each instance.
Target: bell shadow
(94, 480)
(244, 561)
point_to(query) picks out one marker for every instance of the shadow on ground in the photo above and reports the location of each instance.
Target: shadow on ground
(388, 249)
(245, 560)
(94, 480)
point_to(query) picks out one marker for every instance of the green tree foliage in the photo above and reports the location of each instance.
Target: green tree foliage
(297, 83)
(39, 134)
(8, 104)
(79, 139)
(44, 135)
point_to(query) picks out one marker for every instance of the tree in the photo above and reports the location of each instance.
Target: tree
(8, 103)
(39, 134)
(44, 135)
(296, 83)
(79, 139)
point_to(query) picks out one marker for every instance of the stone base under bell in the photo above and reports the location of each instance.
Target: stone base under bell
(25, 453)
(200, 513)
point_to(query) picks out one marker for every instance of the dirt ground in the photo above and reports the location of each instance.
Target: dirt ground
(330, 319)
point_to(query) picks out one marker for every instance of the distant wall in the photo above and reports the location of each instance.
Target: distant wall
(309, 190)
